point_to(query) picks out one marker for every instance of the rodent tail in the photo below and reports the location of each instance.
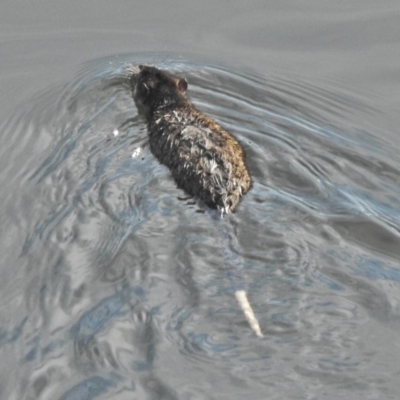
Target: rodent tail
(235, 261)
(241, 297)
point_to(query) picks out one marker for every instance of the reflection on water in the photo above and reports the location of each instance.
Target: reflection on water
(119, 285)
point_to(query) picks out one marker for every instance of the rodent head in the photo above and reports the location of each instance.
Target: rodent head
(155, 89)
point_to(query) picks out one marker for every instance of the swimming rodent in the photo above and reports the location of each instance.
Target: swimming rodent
(205, 160)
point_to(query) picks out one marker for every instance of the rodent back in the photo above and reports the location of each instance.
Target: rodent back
(204, 159)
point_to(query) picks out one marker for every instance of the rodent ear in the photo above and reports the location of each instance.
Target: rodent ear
(182, 85)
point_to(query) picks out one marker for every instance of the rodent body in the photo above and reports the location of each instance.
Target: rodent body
(205, 160)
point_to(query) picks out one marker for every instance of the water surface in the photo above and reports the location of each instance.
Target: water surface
(119, 286)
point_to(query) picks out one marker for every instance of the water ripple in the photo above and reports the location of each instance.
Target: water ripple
(121, 275)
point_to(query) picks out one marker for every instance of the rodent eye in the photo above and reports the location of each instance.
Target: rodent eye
(152, 83)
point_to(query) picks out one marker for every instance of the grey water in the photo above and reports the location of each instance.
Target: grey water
(115, 285)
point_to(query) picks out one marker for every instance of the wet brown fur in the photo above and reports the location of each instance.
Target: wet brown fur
(205, 160)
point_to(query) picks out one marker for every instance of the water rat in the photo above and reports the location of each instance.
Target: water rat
(205, 160)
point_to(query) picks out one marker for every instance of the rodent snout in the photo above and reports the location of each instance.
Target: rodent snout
(133, 74)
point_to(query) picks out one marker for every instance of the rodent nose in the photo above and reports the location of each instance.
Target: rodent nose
(134, 69)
